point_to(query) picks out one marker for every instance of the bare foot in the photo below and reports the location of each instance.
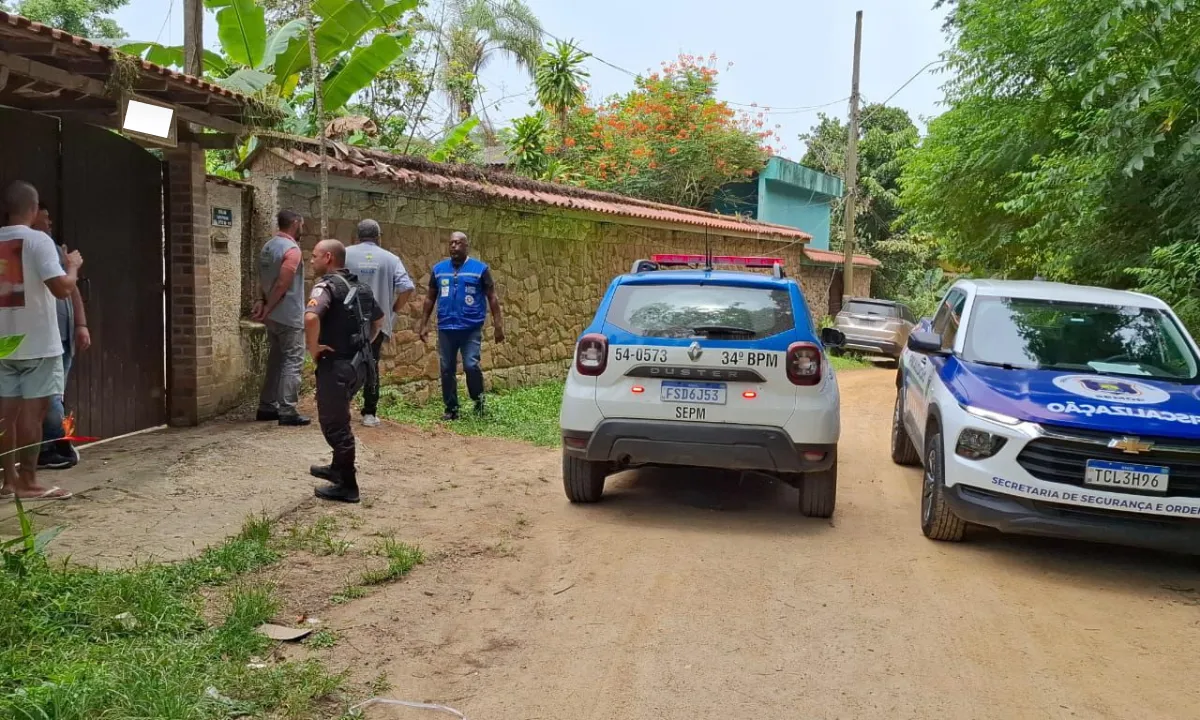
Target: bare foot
(37, 492)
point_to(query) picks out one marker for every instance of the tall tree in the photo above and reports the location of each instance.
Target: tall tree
(1071, 146)
(475, 31)
(886, 136)
(559, 80)
(87, 18)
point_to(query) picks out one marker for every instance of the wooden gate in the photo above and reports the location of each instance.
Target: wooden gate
(105, 196)
(836, 288)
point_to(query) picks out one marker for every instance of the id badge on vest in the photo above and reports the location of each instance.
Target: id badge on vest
(445, 287)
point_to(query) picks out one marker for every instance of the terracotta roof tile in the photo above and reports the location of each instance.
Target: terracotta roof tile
(469, 180)
(830, 257)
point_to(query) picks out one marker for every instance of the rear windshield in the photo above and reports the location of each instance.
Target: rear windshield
(701, 311)
(858, 307)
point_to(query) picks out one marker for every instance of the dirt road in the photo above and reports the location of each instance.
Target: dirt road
(689, 595)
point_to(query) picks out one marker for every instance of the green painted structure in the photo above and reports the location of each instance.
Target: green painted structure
(784, 193)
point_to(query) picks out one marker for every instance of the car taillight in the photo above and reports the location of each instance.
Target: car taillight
(591, 355)
(804, 363)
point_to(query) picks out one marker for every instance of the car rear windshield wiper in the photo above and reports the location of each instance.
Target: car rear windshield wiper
(710, 330)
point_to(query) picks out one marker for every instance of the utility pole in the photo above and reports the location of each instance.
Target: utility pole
(193, 37)
(851, 169)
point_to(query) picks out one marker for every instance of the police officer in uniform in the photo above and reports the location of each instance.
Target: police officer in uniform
(341, 320)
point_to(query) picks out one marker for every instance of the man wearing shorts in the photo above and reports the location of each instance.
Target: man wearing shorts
(31, 278)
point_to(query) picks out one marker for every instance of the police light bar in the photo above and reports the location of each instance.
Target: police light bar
(739, 260)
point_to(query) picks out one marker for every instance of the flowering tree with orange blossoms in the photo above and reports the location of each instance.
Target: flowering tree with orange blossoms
(669, 139)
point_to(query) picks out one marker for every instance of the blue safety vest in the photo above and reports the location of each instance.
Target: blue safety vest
(461, 302)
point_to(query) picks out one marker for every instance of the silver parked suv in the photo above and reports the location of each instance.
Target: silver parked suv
(878, 327)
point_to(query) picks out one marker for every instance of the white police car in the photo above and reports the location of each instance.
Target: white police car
(1052, 409)
(703, 368)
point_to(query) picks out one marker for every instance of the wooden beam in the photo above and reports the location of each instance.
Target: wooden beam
(216, 141)
(30, 47)
(95, 88)
(3, 77)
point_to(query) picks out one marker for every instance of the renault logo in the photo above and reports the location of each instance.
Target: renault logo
(695, 351)
(1131, 445)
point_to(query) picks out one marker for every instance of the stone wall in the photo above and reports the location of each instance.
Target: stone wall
(551, 267)
(237, 345)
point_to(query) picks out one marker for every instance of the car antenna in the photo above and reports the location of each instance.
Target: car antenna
(707, 252)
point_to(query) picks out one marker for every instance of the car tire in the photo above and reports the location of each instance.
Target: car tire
(583, 480)
(818, 491)
(938, 521)
(904, 452)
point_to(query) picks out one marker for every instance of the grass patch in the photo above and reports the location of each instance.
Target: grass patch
(849, 361)
(86, 644)
(401, 558)
(320, 538)
(529, 414)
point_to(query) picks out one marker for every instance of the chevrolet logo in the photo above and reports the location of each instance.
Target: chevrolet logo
(695, 351)
(1131, 445)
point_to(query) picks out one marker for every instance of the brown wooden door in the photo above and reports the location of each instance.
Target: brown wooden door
(112, 213)
(29, 152)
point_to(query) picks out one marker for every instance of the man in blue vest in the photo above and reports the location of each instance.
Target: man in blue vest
(459, 286)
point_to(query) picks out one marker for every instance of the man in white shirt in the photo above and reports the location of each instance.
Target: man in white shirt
(31, 278)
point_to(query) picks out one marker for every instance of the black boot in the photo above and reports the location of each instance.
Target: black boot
(345, 491)
(325, 472)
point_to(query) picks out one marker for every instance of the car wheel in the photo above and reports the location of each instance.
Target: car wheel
(903, 450)
(583, 480)
(938, 521)
(818, 491)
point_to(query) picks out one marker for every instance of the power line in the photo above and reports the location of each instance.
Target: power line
(907, 82)
(166, 22)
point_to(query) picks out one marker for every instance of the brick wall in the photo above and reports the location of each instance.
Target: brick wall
(189, 319)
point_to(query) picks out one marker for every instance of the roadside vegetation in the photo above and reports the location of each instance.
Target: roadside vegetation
(529, 413)
(173, 641)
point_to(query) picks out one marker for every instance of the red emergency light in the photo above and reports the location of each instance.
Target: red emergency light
(738, 260)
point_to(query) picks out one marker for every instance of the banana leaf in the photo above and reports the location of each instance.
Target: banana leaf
(172, 56)
(456, 137)
(279, 41)
(242, 29)
(343, 26)
(362, 67)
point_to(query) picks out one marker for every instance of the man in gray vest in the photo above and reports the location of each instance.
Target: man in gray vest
(383, 272)
(281, 307)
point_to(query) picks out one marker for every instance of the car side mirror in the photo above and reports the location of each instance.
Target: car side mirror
(926, 343)
(832, 337)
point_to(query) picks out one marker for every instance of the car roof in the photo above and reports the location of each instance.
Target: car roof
(873, 301)
(697, 277)
(1041, 290)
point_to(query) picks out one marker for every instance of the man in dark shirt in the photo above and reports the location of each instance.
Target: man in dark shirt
(341, 320)
(458, 286)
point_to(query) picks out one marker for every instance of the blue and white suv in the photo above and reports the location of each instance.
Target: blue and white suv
(703, 368)
(1053, 409)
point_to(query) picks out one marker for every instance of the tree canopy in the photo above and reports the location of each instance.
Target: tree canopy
(1071, 146)
(87, 18)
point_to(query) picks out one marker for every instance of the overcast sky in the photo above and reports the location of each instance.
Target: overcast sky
(786, 53)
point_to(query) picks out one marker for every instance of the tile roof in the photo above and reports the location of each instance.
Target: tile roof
(829, 257)
(17, 28)
(497, 185)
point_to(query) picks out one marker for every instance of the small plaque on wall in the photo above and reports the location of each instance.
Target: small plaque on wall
(222, 217)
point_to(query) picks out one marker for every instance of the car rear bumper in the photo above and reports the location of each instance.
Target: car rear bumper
(1024, 516)
(714, 445)
(862, 343)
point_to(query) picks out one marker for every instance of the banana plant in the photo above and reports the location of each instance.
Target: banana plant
(269, 65)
